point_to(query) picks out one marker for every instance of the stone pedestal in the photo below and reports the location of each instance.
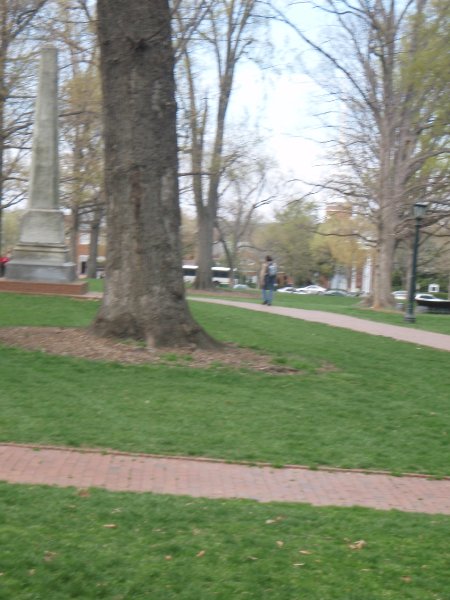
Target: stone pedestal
(38, 262)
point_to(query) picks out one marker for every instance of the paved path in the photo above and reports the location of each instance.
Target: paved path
(215, 479)
(397, 332)
(420, 337)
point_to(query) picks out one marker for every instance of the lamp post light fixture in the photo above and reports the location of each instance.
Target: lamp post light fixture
(419, 212)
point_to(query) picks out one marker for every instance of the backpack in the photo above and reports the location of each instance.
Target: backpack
(271, 269)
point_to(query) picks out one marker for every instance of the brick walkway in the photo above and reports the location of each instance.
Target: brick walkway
(215, 479)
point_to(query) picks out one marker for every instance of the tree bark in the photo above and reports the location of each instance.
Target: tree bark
(144, 294)
(74, 231)
(382, 296)
(205, 241)
(91, 271)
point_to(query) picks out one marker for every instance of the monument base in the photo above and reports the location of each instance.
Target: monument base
(41, 262)
(47, 273)
(76, 288)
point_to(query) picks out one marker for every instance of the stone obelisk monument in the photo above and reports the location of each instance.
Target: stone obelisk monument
(41, 253)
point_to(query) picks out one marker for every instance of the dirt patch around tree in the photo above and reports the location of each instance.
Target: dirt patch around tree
(82, 343)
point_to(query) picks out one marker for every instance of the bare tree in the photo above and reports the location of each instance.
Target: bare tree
(221, 41)
(245, 189)
(144, 294)
(393, 129)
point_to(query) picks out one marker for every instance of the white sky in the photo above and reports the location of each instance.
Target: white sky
(284, 101)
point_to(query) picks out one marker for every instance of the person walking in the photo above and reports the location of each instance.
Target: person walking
(267, 279)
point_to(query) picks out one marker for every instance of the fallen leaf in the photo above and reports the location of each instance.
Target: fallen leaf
(110, 526)
(298, 565)
(270, 521)
(280, 544)
(168, 557)
(252, 558)
(305, 552)
(83, 493)
(49, 556)
(200, 554)
(406, 579)
(359, 545)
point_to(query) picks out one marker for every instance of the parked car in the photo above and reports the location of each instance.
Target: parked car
(286, 290)
(336, 293)
(241, 286)
(425, 297)
(400, 295)
(312, 289)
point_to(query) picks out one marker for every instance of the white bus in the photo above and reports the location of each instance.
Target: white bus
(220, 275)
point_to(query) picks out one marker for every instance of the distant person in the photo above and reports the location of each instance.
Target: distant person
(3, 261)
(267, 280)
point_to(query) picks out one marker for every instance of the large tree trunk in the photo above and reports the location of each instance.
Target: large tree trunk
(204, 252)
(91, 270)
(144, 294)
(382, 297)
(207, 217)
(74, 231)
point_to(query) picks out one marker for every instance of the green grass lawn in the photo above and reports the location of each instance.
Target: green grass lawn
(358, 400)
(45, 311)
(96, 285)
(59, 544)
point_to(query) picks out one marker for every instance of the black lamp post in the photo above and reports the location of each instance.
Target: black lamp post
(419, 211)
